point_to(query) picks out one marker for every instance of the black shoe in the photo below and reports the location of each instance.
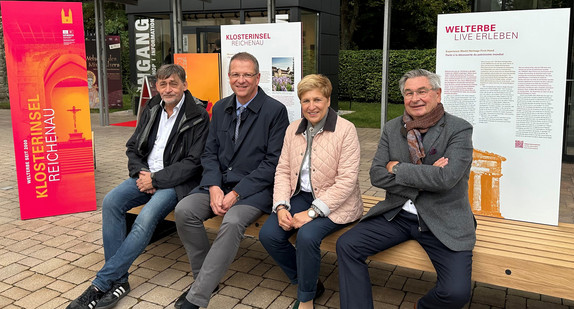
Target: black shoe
(320, 290)
(113, 296)
(88, 300)
(187, 305)
(182, 298)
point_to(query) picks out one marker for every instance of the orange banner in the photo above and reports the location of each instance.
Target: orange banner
(203, 73)
(47, 79)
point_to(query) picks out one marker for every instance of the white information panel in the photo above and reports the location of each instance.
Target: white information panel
(505, 72)
(277, 47)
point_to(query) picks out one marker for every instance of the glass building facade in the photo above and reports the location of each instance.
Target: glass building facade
(151, 23)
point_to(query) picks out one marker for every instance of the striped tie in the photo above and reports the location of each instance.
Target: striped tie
(238, 123)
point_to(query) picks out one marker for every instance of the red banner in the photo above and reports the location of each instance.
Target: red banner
(47, 80)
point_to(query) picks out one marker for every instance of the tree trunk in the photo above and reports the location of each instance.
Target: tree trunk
(349, 15)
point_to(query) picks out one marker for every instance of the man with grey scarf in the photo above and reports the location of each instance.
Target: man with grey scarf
(423, 162)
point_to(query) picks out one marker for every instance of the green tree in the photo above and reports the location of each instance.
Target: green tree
(349, 18)
(413, 22)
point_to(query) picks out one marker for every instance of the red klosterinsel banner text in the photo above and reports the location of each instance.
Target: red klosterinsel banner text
(47, 79)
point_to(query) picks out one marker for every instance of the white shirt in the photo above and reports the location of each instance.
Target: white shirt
(305, 176)
(409, 206)
(155, 158)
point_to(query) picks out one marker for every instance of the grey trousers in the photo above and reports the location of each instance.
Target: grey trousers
(209, 263)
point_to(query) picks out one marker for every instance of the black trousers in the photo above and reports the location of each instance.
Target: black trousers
(368, 237)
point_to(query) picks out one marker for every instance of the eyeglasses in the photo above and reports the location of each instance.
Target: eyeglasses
(422, 93)
(246, 75)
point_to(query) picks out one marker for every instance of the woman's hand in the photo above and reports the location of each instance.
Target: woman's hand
(300, 218)
(285, 219)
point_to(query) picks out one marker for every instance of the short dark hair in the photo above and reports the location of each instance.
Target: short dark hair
(433, 78)
(167, 70)
(244, 56)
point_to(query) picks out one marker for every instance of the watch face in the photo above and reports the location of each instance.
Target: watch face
(311, 213)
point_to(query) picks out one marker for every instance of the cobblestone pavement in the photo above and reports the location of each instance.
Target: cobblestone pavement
(46, 262)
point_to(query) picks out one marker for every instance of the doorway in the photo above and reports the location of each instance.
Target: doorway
(201, 39)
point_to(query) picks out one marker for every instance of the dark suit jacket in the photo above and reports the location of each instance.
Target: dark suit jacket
(439, 194)
(248, 165)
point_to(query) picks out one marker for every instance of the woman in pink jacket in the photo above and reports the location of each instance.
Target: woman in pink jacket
(316, 188)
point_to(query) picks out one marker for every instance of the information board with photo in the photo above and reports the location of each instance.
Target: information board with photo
(277, 48)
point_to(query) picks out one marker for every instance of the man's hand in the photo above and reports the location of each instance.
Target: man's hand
(216, 200)
(300, 218)
(285, 219)
(144, 182)
(442, 162)
(390, 166)
(229, 200)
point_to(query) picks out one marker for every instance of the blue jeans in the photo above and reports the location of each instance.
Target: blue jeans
(301, 265)
(120, 250)
(370, 236)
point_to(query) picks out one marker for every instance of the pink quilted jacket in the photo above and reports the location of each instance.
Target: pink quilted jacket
(334, 169)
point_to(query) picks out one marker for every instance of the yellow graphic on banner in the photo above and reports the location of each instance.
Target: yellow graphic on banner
(67, 19)
(484, 183)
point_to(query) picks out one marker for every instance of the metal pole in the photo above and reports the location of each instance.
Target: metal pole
(271, 11)
(102, 69)
(176, 22)
(386, 39)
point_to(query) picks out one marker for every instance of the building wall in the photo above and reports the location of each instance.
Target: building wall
(329, 51)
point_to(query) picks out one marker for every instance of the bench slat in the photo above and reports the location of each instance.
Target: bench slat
(562, 226)
(509, 227)
(538, 256)
(521, 241)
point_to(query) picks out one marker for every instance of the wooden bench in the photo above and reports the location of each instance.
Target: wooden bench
(524, 256)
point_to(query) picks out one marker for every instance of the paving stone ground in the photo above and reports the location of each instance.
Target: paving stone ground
(47, 262)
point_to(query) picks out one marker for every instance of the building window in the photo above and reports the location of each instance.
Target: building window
(310, 27)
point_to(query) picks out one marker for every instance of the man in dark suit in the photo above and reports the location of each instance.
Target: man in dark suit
(423, 162)
(241, 153)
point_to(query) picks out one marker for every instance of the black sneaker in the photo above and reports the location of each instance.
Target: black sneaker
(181, 300)
(88, 300)
(113, 296)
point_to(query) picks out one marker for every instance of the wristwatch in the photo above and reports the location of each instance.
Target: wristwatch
(394, 169)
(312, 213)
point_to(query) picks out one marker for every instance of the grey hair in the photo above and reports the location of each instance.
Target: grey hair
(433, 78)
(167, 70)
(244, 56)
